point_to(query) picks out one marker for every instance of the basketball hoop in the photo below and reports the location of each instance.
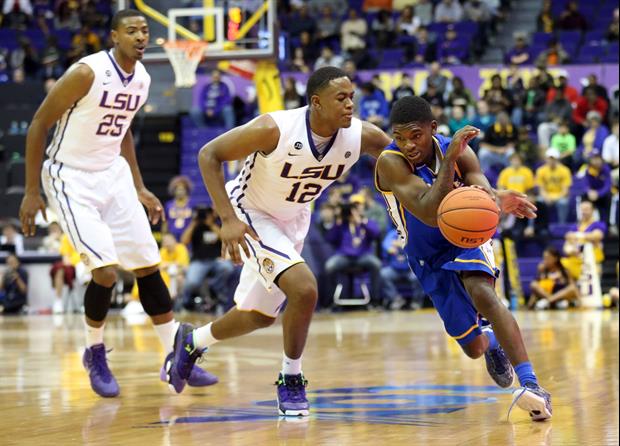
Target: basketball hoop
(185, 55)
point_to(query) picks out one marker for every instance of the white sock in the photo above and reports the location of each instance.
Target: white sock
(290, 366)
(203, 337)
(166, 334)
(94, 335)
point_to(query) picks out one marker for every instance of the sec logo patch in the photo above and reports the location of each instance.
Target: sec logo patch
(268, 265)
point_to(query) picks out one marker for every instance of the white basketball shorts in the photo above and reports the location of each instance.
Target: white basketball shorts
(279, 248)
(101, 214)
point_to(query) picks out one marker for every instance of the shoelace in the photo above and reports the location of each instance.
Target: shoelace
(514, 402)
(100, 363)
(194, 356)
(294, 387)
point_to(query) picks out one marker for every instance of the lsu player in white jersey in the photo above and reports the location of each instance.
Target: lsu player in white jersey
(290, 158)
(92, 181)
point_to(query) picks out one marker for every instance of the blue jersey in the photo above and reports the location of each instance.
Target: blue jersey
(436, 262)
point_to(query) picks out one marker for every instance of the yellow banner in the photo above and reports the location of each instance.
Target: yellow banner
(268, 87)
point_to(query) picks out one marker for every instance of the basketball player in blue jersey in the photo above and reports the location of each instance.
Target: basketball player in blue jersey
(414, 173)
(290, 158)
(92, 180)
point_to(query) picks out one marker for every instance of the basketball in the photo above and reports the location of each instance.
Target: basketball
(468, 217)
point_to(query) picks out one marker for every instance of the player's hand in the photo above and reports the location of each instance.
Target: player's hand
(460, 141)
(516, 203)
(31, 205)
(233, 234)
(153, 206)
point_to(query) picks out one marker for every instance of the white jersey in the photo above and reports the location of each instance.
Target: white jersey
(287, 180)
(88, 136)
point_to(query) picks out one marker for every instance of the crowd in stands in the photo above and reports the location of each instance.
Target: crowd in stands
(553, 138)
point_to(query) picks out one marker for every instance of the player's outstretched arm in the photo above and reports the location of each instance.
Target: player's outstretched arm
(69, 89)
(510, 201)
(374, 140)
(259, 135)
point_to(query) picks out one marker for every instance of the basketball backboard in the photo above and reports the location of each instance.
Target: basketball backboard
(233, 29)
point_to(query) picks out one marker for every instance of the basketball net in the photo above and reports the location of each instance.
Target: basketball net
(185, 55)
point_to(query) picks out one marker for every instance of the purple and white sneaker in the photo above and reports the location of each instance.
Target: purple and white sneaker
(197, 378)
(180, 363)
(292, 401)
(101, 379)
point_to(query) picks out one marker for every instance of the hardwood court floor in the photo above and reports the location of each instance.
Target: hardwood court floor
(375, 379)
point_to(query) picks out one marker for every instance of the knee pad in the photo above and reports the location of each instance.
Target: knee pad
(154, 294)
(97, 300)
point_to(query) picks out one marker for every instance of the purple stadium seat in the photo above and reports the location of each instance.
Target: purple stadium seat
(597, 35)
(591, 54)
(541, 39)
(391, 58)
(559, 230)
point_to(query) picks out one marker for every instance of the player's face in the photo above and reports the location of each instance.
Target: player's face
(415, 140)
(131, 37)
(336, 102)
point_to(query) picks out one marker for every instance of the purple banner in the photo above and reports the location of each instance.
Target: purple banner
(475, 78)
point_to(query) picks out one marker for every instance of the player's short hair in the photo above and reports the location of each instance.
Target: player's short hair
(124, 13)
(411, 109)
(321, 78)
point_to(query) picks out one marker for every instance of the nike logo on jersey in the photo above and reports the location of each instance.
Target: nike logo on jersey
(294, 154)
(107, 83)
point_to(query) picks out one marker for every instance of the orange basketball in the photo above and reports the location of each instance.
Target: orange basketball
(468, 217)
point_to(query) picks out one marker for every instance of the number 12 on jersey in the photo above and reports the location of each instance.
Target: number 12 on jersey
(309, 192)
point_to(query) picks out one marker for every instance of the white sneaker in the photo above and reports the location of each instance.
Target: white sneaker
(562, 305)
(542, 304)
(57, 308)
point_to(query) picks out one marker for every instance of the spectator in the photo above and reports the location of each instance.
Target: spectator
(203, 237)
(594, 136)
(67, 17)
(88, 39)
(566, 144)
(13, 286)
(545, 21)
(592, 83)
(589, 102)
(26, 57)
(498, 143)
(353, 35)
(611, 150)
(328, 58)
(423, 50)
(497, 97)
(571, 19)
(436, 78)
(298, 62)
(51, 242)
(179, 209)
(347, 184)
(373, 106)
(374, 211)
(292, 98)
(174, 263)
(407, 23)
(526, 147)
(434, 97)
(533, 104)
(587, 230)
(451, 50)
(516, 176)
(556, 113)
(483, 118)
(91, 17)
(404, 89)
(597, 178)
(424, 10)
(553, 55)
(613, 31)
(553, 284)
(570, 93)
(398, 272)
(216, 102)
(328, 27)
(382, 28)
(520, 53)
(62, 272)
(17, 14)
(11, 240)
(448, 11)
(554, 181)
(353, 236)
(51, 61)
(458, 119)
(460, 95)
(303, 21)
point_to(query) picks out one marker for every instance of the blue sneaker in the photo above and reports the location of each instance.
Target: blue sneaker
(101, 379)
(292, 399)
(180, 363)
(197, 378)
(499, 367)
(533, 399)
